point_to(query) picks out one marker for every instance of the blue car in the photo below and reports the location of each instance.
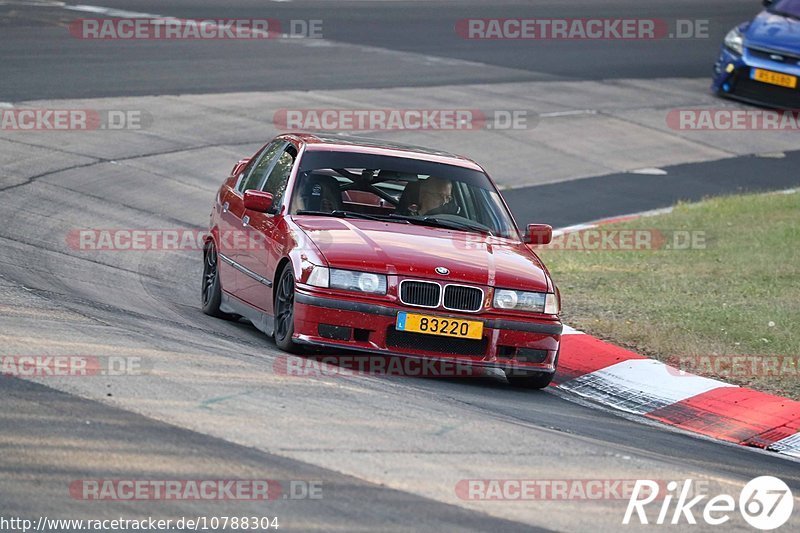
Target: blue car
(760, 59)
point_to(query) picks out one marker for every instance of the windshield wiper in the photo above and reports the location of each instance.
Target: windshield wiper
(424, 221)
(441, 223)
(341, 214)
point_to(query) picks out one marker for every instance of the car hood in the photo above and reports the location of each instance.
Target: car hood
(416, 251)
(774, 32)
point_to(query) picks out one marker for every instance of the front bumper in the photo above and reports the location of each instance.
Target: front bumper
(512, 345)
(732, 79)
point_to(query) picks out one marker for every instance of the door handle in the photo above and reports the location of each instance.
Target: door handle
(225, 207)
(246, 220)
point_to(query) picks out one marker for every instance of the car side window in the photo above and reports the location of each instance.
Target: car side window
(462, 195)
(255, 175)
(279, 176)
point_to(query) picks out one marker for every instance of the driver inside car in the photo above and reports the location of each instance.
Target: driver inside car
(435, 197)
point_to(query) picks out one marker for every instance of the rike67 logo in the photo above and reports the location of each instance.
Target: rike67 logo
(766, 503)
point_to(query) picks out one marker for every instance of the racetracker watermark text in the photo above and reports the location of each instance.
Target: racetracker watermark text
(395, 366)
(195, 489)
(627, 240)
(542, 29)
(553, 489)
(175, 29)
(74, 119)
(43, 366)
(403, 119)
(736, 366)
(165, 240)
(733, 120)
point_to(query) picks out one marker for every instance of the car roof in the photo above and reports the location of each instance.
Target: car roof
(342, 143)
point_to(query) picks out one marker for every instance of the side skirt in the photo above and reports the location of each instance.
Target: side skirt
(262, 321)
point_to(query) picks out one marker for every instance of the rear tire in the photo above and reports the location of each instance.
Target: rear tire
(211, 292)
(284, 311)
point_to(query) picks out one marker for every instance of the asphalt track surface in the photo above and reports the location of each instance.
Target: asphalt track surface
(389, 451)
(577, 201)
(367, 37)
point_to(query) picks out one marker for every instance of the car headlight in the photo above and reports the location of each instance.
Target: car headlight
(348, 280)
(319, 277)
(552, 306)
(735, 41)
(521, 301)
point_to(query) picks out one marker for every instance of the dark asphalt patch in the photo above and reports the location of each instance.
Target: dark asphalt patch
(578, 201)
(53, 439)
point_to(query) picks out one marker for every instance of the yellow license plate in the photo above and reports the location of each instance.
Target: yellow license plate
(774, 78)
(434, 325)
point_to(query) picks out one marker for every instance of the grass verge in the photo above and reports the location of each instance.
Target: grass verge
(728, 306)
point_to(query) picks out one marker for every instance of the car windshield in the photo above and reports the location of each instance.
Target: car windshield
(400, 190)
(789, 8)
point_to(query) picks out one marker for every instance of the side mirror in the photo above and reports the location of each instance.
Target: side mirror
(258, 201)
(539, 234)
(239, 167)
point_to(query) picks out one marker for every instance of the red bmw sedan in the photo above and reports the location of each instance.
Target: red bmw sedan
(355, 244)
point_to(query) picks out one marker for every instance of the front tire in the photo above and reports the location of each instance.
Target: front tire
(284, 312)
(537, 380)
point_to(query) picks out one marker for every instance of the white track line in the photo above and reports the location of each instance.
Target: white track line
(111, 12)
